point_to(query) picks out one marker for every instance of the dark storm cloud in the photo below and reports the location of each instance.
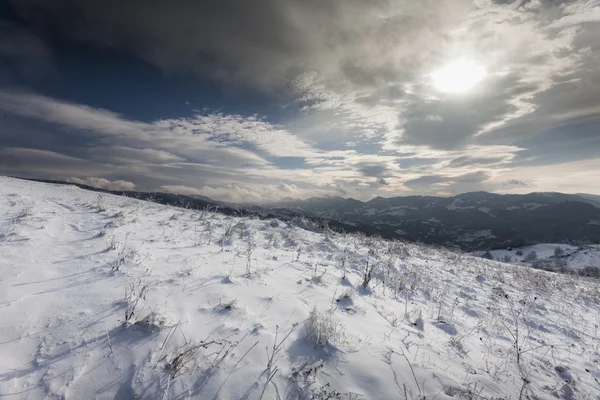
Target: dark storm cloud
(264, 43)
(23, 55)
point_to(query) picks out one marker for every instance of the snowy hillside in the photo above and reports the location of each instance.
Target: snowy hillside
(106, 297)
(573, 258)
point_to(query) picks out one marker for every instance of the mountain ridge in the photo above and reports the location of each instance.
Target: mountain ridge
(470, 221)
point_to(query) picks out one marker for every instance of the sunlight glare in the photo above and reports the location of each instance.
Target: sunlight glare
(458, 76)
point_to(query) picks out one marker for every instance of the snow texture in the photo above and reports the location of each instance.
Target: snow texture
(107, 297)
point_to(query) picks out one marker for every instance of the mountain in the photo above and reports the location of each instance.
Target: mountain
(594, 198)
(110, 297)
(472, 221)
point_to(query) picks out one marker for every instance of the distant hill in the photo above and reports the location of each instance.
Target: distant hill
(470, 221)
(477, 220)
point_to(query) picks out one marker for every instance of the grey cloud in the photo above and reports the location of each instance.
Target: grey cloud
(107, 145)
(264, 43)
(432, 182)
(8, 160)
(103, 183)
(23, 55)
(448, 123)
(472, 177)
(360, 54)
(127, 155)
(383, 182)
(423, 181)
(46, 164)
(372, 169)
(563, 125)
(515, 182)
(466, 161)
(390, 93)
(248, 194)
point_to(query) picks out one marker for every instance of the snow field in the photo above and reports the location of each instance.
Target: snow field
(106, 297)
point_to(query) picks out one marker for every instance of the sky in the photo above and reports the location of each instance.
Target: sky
(267, 100)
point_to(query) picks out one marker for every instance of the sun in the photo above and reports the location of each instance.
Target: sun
(459, 76)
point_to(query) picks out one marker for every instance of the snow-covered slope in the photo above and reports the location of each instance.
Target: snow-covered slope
(571, 257)
(105, 297)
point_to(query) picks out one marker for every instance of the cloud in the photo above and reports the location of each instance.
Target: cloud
(213, 147)
(127, 155)
(372, 169)
(264, 43)
(515, 182)
(248, 194)
(570, 177)
(464, 161)
(23, 55)
(44, 164)
(351, 81)
(423, 181)
(240, 130)
(444, 184)
(103, 183)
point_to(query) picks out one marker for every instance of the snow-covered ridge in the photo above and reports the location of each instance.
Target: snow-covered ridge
(106, 297)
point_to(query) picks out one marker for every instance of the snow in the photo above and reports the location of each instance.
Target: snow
(485, 210)
(223, 309)
(533, 206)
(454, 204)
(398, 213)
(477, 235)
(587, 256)
(575, 257)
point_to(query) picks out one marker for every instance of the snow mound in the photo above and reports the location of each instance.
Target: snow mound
(107, 297)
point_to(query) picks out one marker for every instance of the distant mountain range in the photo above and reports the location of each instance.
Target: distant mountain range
(477, 220)
(471, 221)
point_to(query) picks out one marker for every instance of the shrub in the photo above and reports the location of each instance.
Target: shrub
(519, 252)
(531, 256)
(487, 255)
(590, 272)
(367, 275)
(558, 251)
(323, 330)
